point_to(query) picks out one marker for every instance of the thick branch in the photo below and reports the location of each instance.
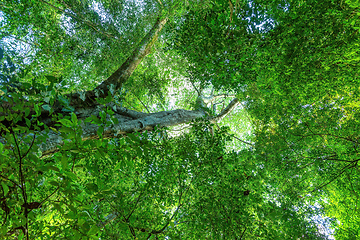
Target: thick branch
(122, 74)
(232, 105)
(130, 113)
(129, 121)
(134, 121)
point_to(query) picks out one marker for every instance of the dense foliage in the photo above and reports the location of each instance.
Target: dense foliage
(282, 165)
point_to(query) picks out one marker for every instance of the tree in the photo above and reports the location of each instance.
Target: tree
(299, 84)
(91, 121)
(90, 164)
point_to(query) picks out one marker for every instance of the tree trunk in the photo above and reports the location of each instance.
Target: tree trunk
(122, 74)
(128, 120)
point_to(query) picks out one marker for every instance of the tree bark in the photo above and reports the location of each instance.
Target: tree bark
(128, 120)
(122, 74)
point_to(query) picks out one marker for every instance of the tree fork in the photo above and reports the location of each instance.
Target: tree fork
(113, 83)
(129, 121)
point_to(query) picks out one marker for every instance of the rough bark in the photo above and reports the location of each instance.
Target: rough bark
(115, 81)
(129, 121)
(122, 74)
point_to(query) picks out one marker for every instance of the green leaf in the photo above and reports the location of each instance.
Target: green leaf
(52, 78)
(71, 175)
(100, 131)
(133, 137)
(54, 183)
(92, 186)
(53, 168)
(93, 230)
(21, 236)
(37, 110)
(46, 107)
(28, 122)
(80, 222)
(66, 122)
(66, 130)
(108, 98)
(27, 111)
(57, 207)
(5, 188)
(74, 119)
(118, 166)
(93, 119)
(64, 162)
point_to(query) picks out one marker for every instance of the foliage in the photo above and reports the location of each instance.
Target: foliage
(289, 153)
(299, 80)
(154, 186)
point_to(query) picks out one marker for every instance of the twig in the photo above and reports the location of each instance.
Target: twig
(242, 234)
(142, 103)
(41, 203)
(137, 202)
(231, 14)
(15, 183)
(22, 186)
(90, 24)
(198, 91)
(339, 174)
(31, 145)
(237, 137)
(231, 106)
(352, 188)
(162, 5)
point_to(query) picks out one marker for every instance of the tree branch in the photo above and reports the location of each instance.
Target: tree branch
(142, 103)
(197, 90)
(232, 105)
(237, 138)
(122, 74)
(22, 186)
(243, 233)
(337, 175)
(141, 121)
(130, 113)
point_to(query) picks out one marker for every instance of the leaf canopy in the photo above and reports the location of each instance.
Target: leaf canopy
(282, 76)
